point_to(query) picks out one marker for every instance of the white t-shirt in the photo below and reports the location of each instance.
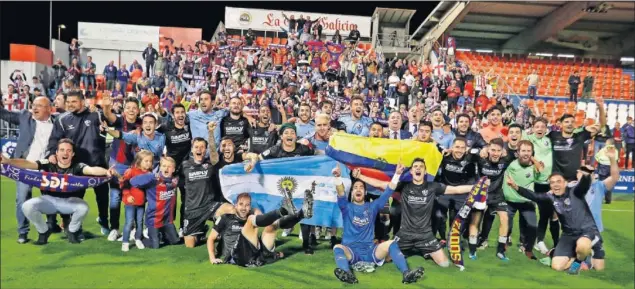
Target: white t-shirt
(409, 80)
(12, 102)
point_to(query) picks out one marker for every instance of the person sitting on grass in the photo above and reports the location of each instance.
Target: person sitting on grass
(357, 246)
(53, 202)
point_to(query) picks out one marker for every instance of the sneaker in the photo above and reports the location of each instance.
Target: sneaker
(43, 238)
(530, 255)
(307, 205)
(23, 238)
(125, 247)
(574, 269)
(502, 256)
(521, 248)
(473, 256)
(180, 233)
(139, 244)
(73, 237)
(411, 276)
(286, 232)
(365, 267)
(114, 234)
(483, 245)
(287, 203)
(584, 266)
(541, 247)
(345, 276)
(327, 235)
(104, 227)
(145, 233)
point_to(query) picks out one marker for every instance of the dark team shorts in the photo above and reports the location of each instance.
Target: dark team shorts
(195, 225)
(364, 253)
(494, 207)
(246, 254)
(413, 246)
(567, 243)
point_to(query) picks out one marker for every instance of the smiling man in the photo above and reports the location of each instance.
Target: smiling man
(357, 123)
(235, 125)
(52, 202)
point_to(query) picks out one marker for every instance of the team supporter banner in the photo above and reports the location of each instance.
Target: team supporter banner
(271, 178)
(259, 19)
(478, 195)
(380, 156)
(52, 181)
(626, 183)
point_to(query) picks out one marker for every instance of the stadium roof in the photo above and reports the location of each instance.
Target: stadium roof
(544, 25)
(397, 16)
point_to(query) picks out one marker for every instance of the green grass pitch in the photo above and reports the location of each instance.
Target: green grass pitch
(97, 263)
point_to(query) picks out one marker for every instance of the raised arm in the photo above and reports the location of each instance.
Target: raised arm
(213, 152)
(615, 170)
(373, 182)
(600, 103)
(584, 184)
(10, 116)
(106, 103)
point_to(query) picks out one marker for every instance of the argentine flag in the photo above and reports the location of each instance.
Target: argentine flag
(269, 179)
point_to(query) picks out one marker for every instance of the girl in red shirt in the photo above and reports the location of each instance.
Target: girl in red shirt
(134, 198)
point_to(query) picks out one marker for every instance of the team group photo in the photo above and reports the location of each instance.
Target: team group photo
(443, 144)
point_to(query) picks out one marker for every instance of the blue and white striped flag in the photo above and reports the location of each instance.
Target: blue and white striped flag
(267, 182)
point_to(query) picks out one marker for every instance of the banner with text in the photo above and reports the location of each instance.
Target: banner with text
(626, 183)
(259, 19)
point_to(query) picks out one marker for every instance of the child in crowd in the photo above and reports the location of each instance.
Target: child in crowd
(134, 198)
(160, 193)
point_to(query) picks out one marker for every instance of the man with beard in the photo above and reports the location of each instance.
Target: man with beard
(357, 246)
(326, 107)
(543, 153)
(201, 117)
(239, 233)
(59, 103)
(83, 127)
(457, 168)
(494, 128)
(149, 139)
(567, 145)
(439, 134)
(178, 142)
(580, 235)
(121, 154)
(319, 140)
(356, 123)
(525, 171)
(304, 125)
(199, 200)
(288, 147)
(394, 127)
(474, 139)
(235, 125)
(265, 134)
(416, 234)
(54, 202)
(228, 156)
(492, 166)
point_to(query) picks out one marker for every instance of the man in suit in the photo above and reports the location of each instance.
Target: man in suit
(394, 130)
(35, 129)
(150, 55)
(415, 114)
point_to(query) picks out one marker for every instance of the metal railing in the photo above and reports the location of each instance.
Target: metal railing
(393, 40)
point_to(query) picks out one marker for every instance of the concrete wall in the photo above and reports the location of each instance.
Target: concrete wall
(30, 69)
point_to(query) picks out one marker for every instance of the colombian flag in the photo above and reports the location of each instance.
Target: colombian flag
(378, 157)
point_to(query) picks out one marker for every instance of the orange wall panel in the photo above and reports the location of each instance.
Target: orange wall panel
(30, 53)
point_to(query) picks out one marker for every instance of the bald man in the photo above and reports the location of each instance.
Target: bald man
(36, 126)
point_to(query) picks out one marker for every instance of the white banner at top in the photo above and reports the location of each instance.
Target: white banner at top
(272, 20)
(118, 32)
